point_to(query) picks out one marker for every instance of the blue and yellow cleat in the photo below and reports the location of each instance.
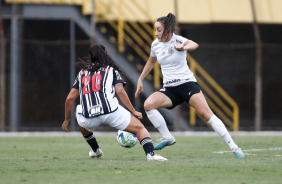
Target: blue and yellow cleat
(238, 153)
(164, 142)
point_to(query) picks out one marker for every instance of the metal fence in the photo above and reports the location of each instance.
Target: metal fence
(45, 79)
(45, 83)
(234, 70)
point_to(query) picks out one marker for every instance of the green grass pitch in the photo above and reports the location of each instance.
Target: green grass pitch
(193, 159)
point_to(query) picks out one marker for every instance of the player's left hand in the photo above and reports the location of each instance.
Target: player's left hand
(179, 47)
(65, 125)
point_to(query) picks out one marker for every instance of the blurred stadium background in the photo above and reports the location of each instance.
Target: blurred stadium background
(238, 64)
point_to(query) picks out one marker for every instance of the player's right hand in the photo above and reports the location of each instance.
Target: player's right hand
(65, 125)
(139, 88)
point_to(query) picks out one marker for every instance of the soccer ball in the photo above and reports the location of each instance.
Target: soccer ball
(126, 139)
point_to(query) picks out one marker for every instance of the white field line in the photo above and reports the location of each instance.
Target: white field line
(252, 150)
(184, 133)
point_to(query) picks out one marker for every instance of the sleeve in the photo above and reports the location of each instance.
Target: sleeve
(153, 54)
(76, 83)
(181, 39)
(118, 78)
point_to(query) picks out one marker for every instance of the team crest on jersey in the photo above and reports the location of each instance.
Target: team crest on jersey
(170, 50)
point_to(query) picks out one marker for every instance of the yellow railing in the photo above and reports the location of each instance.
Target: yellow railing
(220, 102)
(139, 36)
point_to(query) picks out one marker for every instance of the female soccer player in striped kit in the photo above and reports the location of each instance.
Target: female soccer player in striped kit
(96, 84)
(179, 83)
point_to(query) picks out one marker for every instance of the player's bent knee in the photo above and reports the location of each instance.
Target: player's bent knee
(135, 126)
(205, 115)
(148, 106)
(136, 130)
(140, 127)
(83, 130)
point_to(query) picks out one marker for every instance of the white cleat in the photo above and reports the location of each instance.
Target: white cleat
(155, 157)
(99, 153)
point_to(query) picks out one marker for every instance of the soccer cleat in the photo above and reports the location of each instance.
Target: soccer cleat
(238, 153)
(155, 157)
(164, 142)
(99, 153)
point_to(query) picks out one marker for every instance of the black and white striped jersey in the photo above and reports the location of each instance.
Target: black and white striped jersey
(97, 90)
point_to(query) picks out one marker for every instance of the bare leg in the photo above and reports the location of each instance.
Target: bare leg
(136, 127)
(91, 140)
(153, 102)
(83, 131)
(199, 102)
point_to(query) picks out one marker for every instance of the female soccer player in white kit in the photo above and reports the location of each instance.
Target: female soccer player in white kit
(179, 83)
(96, 84)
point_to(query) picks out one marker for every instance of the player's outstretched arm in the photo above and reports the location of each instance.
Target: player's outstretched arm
(146, 70)
(125, 100)
(74, 93)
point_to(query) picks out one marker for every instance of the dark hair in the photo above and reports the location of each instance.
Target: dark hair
(169, 22)
(98, 58)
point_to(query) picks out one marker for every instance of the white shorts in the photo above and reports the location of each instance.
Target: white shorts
(118, 119)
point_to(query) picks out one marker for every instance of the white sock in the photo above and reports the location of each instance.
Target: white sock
(158, 121)
(219, 128)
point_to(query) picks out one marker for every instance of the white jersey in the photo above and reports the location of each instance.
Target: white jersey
(173, 63)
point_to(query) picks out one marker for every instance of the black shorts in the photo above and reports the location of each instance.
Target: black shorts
(181, 93)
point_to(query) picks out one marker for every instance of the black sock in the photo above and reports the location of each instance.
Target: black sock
(148, 146)
(91, 140)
